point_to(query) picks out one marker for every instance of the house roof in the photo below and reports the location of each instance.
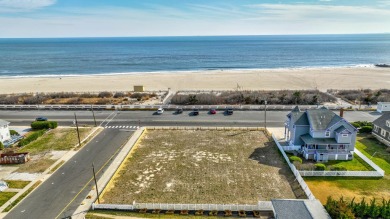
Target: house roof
(3, 122)
(381, 121)
(298, 117)
(307, 139)
(321, 119)
(299, 209)
(342, 129)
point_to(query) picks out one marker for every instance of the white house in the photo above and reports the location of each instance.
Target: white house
(4, 131)
(383, 107)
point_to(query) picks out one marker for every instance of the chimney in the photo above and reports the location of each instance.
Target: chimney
(341, 112)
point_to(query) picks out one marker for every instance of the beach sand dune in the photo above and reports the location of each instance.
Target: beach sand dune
(276, 79)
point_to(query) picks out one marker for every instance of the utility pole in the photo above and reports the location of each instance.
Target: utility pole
(94, 177)
(93, 114)
(265, 114)
(77, 129)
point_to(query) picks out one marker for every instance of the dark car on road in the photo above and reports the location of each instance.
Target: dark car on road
(229, 111)
(179, 111)
(41, 119)
(195, 112)
(213, 111)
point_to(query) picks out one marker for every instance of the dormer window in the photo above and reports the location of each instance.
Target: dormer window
(388, 123)
(327, 134)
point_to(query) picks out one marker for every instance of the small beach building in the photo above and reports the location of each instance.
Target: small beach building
(383, 107)
(381, 129)
(320, 135)
(4, 131)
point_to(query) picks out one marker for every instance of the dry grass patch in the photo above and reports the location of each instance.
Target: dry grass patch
(194, 166)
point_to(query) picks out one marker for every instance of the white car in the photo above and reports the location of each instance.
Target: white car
(160, 111)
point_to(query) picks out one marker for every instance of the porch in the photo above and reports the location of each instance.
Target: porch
(324, 149)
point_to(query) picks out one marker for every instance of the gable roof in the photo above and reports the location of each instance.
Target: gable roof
(298, 117)
(381, 121)
(342, 129)
(3, 122)
(321, 119)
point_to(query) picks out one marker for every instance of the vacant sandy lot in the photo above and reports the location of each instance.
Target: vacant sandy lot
(194, 166)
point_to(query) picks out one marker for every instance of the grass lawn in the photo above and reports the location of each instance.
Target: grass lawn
(357, 164)
(21, 197)
(59, 139)
(358, 187)
(17, 184)
(5, 196)
(199, 166)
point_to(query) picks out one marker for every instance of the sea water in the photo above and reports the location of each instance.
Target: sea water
(59, 57)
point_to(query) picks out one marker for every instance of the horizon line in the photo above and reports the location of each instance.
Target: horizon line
(167, 36)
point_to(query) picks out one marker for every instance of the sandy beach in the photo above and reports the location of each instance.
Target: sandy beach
(275, 79)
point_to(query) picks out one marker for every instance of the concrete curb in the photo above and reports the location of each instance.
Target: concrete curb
(106, 178)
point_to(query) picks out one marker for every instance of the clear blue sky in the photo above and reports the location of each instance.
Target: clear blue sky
(98, 18)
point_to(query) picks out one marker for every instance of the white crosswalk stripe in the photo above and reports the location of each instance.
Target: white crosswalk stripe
(121, 127)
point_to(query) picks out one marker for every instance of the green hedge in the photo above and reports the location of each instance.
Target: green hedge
(34, 136)
(320, 166)
(365, 129)
(359, 124)
(38, 125)
(295, 158)
(13, 132)
(1, 146)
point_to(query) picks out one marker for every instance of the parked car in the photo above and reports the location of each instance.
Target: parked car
(179, 111)
(229, 111)
(213, 111)
(41, 119)
(195, 112)
(160, 111)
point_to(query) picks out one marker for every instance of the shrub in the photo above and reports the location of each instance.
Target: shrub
(105, 94)
(13, 132)
(295, 158)
(365, 129)
(338, 168)
(355, 124)
(1, 146)
(320, 166)
(34, 136)
(38, 125)
(119, 94)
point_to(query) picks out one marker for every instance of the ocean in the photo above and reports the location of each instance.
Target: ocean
(60, 57)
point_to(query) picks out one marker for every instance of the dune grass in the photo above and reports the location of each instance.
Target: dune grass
(203, 166)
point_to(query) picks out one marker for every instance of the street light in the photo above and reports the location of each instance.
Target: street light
(265, 114)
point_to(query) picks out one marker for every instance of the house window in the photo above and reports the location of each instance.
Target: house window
(327, 134)
(344, 135)
(383, 132)
(376, 128)
(388, 123)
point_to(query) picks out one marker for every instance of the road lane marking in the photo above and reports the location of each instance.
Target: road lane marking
(105, 164)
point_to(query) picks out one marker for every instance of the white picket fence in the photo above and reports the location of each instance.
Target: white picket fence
(296, 173)
(377, 173)
(261, 206)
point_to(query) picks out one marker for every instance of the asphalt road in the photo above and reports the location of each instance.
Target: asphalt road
(142, 118)
(62, 193)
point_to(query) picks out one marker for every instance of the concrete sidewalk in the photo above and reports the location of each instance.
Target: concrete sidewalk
(108, 174)
(46, 174)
